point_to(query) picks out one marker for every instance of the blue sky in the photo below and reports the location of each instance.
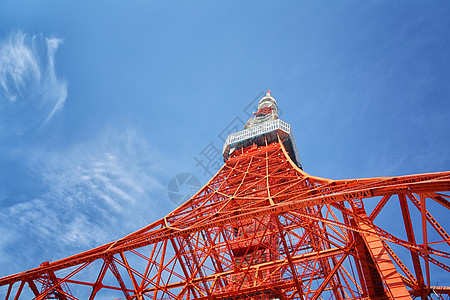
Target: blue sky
(102, 103)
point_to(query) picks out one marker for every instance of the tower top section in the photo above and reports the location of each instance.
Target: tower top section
(264, 128)
(267, 111)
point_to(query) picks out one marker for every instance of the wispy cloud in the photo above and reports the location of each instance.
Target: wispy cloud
(92, 193)
(30, 92)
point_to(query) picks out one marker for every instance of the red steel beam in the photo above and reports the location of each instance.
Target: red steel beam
(255, 183)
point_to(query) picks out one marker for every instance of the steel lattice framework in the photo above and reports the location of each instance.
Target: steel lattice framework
(262, 228)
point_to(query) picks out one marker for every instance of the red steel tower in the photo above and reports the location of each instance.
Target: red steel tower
(262, 228)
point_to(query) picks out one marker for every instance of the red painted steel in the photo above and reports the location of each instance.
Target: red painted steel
(262, 228)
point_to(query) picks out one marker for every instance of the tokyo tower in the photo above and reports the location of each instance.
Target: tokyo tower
(262, 228)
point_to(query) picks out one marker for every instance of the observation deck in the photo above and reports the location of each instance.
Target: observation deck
(261, 135)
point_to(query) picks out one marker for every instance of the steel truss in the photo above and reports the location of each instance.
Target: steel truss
(262, 228)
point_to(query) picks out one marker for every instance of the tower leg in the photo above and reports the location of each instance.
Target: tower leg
(374, 253)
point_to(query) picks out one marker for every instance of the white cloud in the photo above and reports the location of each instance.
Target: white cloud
(92, 194)
(30, 92)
